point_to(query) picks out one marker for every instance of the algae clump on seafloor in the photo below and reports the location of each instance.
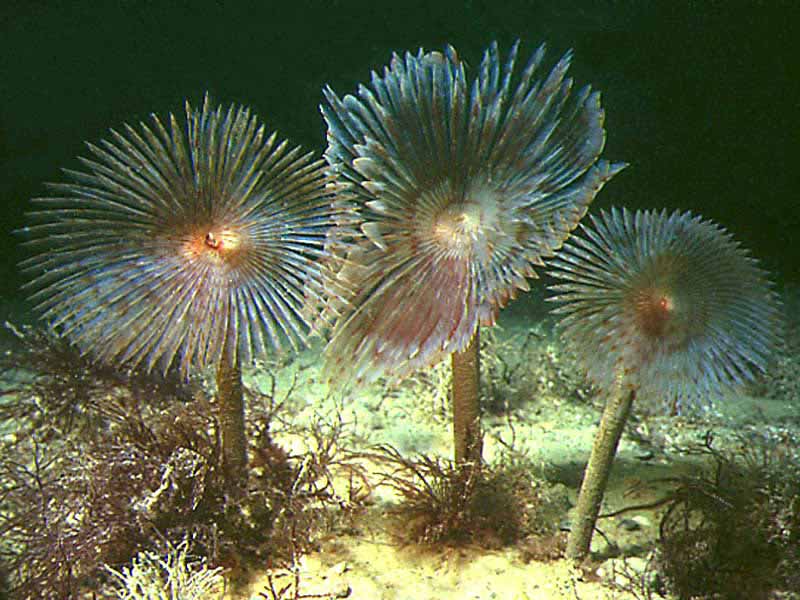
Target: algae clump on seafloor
(732, 528)
(172, 577)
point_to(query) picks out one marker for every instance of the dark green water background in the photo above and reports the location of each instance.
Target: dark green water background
(702, 98)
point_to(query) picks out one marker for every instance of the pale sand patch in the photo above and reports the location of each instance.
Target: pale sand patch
(376, 570)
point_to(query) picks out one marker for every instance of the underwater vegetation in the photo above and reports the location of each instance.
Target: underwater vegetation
(184, 245)
(149, 477)
(732, 530)
(188, 247)
(782, 383)
(453, 192)
(516, 371)
(492, 508)
(731, 526)
(58, 392)
(509, 500)
(174, 576)
(661, 307)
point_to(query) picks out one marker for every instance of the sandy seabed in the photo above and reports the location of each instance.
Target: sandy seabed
(548, 424)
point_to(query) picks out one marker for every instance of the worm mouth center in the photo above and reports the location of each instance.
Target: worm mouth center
(457, 226)
(655, 311)
(214, 245)
(212, 241)
(223, 242)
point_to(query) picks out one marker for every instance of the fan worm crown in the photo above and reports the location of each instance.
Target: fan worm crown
(669, 304)
(454, 191)
(176, 238)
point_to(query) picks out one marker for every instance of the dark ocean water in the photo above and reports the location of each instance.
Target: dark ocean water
(701, 98)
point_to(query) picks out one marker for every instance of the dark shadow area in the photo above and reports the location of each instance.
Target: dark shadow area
(700, 99)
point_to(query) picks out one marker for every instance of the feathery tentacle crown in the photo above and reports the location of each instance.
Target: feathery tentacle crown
(456, 191)
(668, 304)
(177, 239)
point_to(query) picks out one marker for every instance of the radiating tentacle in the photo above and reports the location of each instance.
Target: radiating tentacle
(668, 302)
(177, 237)
(454, 192)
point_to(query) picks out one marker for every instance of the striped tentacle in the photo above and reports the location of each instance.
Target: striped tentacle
(178, 237)
(454, 192)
